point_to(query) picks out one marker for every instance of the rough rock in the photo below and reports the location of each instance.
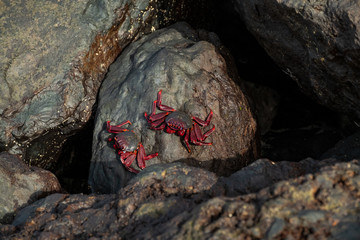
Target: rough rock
(263, 173)
(315, 42)
(194, 79)
(21, 185)
(346, 149)
(53, 57)
(159, 191)
(174, 178)
(322, 205)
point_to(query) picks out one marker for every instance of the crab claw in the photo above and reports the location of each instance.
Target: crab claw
(117, 128)
(161, 106)
(142, 157)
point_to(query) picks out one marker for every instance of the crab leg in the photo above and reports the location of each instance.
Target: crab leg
(201, 143)
(169, 130)
(202, 122)
(153, 116)
(197, 132)
(180, 132)
(161, 106)
(158, 116)
(117, 128)
(157, 126)
(186, 140)
(199, 135)
(196, 136)
(142, 157)
(208, 133)
(153, 110)
(127, 159)
(156, 121)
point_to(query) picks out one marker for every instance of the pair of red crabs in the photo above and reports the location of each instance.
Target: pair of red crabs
(170, 120)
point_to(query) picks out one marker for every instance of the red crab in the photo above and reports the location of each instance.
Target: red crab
(180, 123)
(128, 146)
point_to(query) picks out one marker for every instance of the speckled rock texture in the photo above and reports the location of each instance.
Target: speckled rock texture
(53, 56)
(316, 42)
(175, 201)
(194, 78)
(21, 185)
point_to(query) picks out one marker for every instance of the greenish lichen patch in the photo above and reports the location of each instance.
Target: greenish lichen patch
(155, 209)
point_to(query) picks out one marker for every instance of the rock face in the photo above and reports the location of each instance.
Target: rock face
(264, 173)
(175, 201)
(21, 185)
(346, 149)
(194, 79)
(53, 57)
(316, 42)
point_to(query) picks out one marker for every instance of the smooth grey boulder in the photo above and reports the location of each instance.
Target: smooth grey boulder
(315, 42)
(53, 56)
(21, 185)
(194, 78)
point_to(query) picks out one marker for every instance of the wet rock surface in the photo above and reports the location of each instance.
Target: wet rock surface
(193, 77)
(53, 58)
(21, 185)
(316, 43)
(175, 201)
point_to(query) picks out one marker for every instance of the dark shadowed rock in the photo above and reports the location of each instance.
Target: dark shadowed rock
(264, 173)
(174, 201)
(53, 56)
(21, 185)
(315, 42)
(265, 102)
(295, 143)
(346, 149)
(194, 79)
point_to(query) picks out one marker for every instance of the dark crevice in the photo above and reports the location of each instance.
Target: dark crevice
(301, 128)
(72, 168)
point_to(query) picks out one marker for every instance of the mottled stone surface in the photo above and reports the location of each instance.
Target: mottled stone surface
(53, 56)
(21, 185)
(174, 201)
(194, 79)
(316, 42)
(174, 178)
